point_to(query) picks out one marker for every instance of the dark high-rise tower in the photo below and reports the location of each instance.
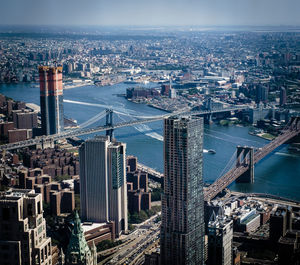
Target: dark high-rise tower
(51, 96)
(182, 229)
(282, 96)
(262, 93)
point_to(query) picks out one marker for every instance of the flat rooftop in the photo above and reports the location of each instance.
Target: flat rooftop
(87, 226)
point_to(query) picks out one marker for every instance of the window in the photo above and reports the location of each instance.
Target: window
(39, 207)
(29, 210)
(5, 214)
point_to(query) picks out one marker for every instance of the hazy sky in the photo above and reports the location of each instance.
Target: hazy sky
(152, 12)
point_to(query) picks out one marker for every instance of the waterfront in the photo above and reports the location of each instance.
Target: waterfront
(277, 174)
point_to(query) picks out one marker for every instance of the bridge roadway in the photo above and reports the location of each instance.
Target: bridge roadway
(84, 131)
(224, 181)
(149, 170)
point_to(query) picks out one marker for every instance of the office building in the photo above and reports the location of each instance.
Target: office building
(262, 93)
(220, 236)
(23, 237)
(248, 221)
(280, 222)
(78, 251)
(182, 229)
(51, 96)
(282, 96)
(103, 188)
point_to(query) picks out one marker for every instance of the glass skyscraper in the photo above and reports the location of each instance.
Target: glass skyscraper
(182, 229)
(51, 99)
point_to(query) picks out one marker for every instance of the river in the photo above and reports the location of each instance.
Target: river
(278, 173)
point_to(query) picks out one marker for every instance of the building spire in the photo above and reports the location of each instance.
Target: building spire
(78, 250)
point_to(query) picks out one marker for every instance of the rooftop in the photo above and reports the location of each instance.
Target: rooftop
(87, 226)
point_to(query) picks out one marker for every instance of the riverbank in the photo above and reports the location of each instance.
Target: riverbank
(277, 174)
(266, 136)
(75, 85)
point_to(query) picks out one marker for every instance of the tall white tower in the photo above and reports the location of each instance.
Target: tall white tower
(103, 187)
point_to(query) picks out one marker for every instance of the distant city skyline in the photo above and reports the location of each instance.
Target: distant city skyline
(136, 12)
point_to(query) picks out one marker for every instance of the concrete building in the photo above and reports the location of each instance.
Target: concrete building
(23, 237)
(103, 188)
(282, 96)
(51, 96)
(182, 229)
(131, 162)
(97, 232)
(289, 248)
(280, 222)
(220, 237)
(248, 221)
(262, 93)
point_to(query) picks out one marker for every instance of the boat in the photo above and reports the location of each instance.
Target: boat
(211, 151)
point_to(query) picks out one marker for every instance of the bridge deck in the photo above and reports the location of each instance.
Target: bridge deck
(84, 131)
(238, 170)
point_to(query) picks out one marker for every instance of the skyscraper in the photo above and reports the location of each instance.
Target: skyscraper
(220, 236)
(282, 96)
(262, 93)
(182, 229)
(51, 97)
(103, 187)
(23, 237)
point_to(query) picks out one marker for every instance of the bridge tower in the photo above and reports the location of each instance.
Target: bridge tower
(245, 157)
(208, 118)
(109, 122)
(294, 125)
(45, 143)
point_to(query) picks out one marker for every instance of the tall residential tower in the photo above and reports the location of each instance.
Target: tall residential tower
(103, 188)
(182, 229)
(23, 238)
(51, 97)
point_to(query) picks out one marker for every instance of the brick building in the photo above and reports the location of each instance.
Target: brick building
(139, 198)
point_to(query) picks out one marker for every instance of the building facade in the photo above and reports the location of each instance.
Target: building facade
(182, 229)
(282, 101)
(51, 99)
(220, 237)
(103, 187)
(23, 237)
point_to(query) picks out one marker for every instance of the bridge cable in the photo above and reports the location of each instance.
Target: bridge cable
(230, 162)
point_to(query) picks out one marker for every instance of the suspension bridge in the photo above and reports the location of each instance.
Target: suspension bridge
(247, 157)
(243, 159)
(108, 127)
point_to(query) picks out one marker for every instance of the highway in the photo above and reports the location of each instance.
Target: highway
(145, 234)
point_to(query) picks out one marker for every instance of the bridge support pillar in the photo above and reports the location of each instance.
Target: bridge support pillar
(45, 144)
(245, 157)
(208, 118)
(295, 125)
(109, 122)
